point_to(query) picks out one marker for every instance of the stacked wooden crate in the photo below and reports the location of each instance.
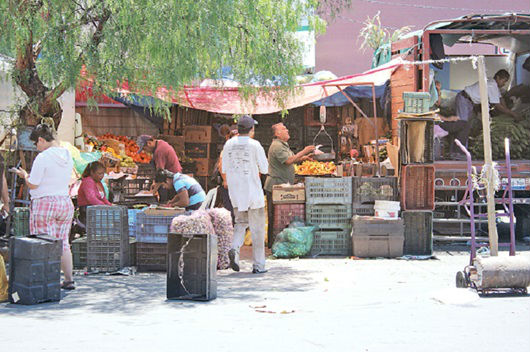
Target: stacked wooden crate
(417, 173)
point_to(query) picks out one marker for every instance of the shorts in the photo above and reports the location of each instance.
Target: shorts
(53, 216)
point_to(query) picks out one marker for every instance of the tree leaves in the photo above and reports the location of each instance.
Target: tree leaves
(157, 43)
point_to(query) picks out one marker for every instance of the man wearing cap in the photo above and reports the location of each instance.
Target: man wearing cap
(281, 168)
(164, 156)
(243, 161)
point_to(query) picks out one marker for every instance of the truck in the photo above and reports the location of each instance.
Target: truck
(504, 40)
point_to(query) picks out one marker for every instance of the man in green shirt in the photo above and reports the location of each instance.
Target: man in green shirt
(281, 168)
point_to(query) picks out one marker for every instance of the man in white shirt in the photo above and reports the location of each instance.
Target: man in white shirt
(243, 161)
(465, 103)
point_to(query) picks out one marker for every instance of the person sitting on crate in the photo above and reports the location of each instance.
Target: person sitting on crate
(91, 191)
(51, 210)
(189, 193)
(164, 158)
(281, 168)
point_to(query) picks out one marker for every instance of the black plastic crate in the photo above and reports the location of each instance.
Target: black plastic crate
(35, 269)
(151, 256)
(79, 252)
(332, 243)
(196, 279)
(107, 238)
(369, 189)
(337, 216)
(406, 150)
(418, 232)
(146, 171)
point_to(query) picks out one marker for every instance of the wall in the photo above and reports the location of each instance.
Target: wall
(120, 121)
(338, 49)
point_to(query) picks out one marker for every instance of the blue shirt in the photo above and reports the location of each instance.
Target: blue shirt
(195, 191)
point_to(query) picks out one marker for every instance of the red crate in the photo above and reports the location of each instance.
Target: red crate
(417, 187)
(285, 213)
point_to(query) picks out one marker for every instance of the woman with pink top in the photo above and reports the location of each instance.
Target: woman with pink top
(91, 191)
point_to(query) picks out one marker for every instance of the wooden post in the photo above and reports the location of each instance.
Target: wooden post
(488, 162)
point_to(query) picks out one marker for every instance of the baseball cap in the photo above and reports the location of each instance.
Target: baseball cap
(142, 141)
(246, 122)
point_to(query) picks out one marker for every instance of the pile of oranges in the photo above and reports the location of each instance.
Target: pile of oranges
(131, 148)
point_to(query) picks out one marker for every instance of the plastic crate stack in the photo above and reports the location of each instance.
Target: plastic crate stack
(329, 207)
(108, 247)
(417, 173)
(151, 241)
(375, 237)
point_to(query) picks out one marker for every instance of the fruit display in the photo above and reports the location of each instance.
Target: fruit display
(315, 168)
(501, 127)
(118, 147)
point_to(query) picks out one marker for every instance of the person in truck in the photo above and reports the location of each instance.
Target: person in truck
(466, 101)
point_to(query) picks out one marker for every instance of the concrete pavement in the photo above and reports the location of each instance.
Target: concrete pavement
(299, 305)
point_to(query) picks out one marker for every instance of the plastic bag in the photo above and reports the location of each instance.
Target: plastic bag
(293, 242)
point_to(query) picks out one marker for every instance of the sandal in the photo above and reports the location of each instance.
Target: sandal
(68, 285)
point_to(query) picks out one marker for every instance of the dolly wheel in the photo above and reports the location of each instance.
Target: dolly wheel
(461, 281)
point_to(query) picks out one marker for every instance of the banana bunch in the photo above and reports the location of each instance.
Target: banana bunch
(505, 127)
(127, 161)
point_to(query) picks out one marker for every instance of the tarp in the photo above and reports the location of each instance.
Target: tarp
(229, 100)
(354, 92)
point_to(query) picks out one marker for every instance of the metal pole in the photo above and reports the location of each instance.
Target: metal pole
(488, 162)
(378, 171)
(510, 195)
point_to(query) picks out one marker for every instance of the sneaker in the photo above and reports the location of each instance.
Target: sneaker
(259, 271)
(232, 257)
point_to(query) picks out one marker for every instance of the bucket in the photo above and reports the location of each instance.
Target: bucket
(387, 209)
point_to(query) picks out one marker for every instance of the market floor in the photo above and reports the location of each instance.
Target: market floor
(307, 304)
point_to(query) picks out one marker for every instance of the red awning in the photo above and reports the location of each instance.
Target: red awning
(230, 101)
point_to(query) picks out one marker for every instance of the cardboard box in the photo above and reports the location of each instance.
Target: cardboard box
(205, 167)
(288, 194)
(177, 142)
(201, 134)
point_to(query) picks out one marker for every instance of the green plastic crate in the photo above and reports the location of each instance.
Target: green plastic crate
(21, 222)
(416, 102)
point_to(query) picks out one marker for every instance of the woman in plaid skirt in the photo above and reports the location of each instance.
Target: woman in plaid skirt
(51, 207)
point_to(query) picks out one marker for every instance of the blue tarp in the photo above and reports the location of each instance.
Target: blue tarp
(354, 92)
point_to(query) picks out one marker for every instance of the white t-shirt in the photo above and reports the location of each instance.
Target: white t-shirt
(494, 94)
(51, 172)
(243, 160)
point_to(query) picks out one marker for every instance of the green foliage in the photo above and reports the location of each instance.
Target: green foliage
(150, 43)
(373, 34)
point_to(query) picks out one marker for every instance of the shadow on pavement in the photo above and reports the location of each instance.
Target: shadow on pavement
(146, 291)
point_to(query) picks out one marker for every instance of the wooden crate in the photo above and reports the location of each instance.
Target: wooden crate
(201, 134)
(205, 167)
